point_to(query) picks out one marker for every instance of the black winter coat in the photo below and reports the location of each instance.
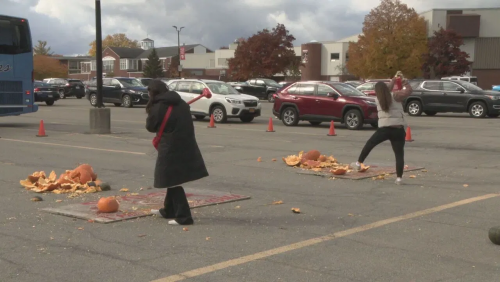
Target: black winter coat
(179, 158)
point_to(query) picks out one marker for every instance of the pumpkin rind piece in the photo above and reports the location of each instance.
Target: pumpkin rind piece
(292, 160)
(52, 176)
(27, 184)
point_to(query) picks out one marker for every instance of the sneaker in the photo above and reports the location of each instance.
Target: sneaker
(398, 181)
(356, 166)
(156, 212)
(173, 222)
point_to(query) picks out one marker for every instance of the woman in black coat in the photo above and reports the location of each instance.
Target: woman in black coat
(179, 158)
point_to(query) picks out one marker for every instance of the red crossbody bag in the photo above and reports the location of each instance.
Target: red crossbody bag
(157, 138)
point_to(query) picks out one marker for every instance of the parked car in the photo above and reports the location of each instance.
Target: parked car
(471, 79)
(45, 93)
(121, 91)
(262, 88)
(145, 81)
(354, 83)
(324, 101)
(225, 103)
(67, 87)
(442, 96)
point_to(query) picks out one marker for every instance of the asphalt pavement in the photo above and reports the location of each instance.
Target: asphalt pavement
(432, 228)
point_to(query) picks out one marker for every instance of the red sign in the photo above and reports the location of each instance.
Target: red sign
(183, 53)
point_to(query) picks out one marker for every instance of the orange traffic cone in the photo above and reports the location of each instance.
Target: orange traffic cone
(212, 122)
(41, 130)
(332, 130)
(408, 135)
(270, 127)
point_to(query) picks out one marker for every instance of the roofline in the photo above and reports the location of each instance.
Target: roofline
(458, 9)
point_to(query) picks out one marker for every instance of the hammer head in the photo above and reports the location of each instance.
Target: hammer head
(206, 93)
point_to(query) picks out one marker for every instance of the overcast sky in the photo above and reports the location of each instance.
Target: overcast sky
(68, 25)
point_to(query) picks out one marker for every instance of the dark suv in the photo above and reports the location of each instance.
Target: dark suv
(121, 91)
(262, 88)
(45, 93)
(67, 87)
(324, 101)
(441, 96)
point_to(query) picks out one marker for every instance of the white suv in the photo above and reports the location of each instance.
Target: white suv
(226, 102)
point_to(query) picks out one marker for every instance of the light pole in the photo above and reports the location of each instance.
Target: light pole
(178, 45)
(100, 117)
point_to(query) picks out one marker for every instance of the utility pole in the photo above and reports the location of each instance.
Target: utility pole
(98, 52)
(179, 46)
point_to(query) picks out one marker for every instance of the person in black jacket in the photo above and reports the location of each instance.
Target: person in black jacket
(179, 158)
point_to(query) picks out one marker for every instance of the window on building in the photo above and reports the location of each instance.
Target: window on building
(163, 63)
(222, 62)
(85, 67)
(93, 66)
(108, 66)
(334, 56)
(123, 64)
(73, 65)
(346, 57)
(132, 64)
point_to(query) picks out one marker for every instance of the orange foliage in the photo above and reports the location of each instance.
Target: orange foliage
(394, 38)
(46, 66)
(115, 40)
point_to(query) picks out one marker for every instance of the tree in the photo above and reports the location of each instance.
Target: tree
(293, 68)
(262, 55)
(115, 40)
(342, 69)
(153, 67)
(42, 49)
(394, 38)
(444, 57)
(45, 66)
(173, 68)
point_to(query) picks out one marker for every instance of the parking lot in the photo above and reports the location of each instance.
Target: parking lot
(432, 228)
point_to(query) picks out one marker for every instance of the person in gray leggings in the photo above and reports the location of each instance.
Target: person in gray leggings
(391, 123)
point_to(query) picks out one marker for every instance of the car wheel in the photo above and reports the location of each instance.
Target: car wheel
(414, 108)
(61, 94)
(477, 110)
(374, 124)
(430, 113)
(247, 118)
(290, 117)
(353, 119)
(270, 97)
(198, 117)
(493, 115)
(118, 104)
(315, 123)
(93, 100)
(49, 103)
(127, 101)
(219, 114)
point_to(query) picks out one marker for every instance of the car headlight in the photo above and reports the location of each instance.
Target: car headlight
(493, 97)
(234, 101)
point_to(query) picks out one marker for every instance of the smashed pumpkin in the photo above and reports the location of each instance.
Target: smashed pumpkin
(108, 205)
(339, 170)
(364, 168)
(312, 155)
(292, 160)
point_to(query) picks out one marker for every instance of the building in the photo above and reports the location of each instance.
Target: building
(128, 62)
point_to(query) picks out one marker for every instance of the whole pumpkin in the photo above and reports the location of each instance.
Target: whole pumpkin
(108, 205)
(312, 155)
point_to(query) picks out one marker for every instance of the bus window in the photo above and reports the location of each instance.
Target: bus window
(14, 36)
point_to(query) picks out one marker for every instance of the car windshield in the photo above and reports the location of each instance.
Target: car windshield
(222, 88)
(132, 82)
(469, 86)
(271, 82)
(347, 90)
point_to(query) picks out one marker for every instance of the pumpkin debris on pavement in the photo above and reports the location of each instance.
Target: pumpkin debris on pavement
(313, 160)
(466, 185)
(124, 190)
(78, 181)
(185, 229)
(413, 176)
(259, 159)
(277, 203)
(37, 199)
(295, 210)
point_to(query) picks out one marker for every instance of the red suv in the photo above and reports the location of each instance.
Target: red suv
(324, 101)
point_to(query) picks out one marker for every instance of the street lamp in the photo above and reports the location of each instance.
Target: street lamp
(100, 117)
(179, 45)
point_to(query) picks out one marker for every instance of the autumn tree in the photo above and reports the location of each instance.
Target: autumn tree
(263, 55)
(173, 68)
(42, 49)
(45, 66)
(444, 57)
(394, 38)
(153, 67)
(115, 40)
(293, 68)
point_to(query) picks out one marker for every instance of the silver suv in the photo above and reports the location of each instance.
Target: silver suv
(226, 102)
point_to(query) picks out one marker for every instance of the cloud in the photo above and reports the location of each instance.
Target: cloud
(69, 25)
